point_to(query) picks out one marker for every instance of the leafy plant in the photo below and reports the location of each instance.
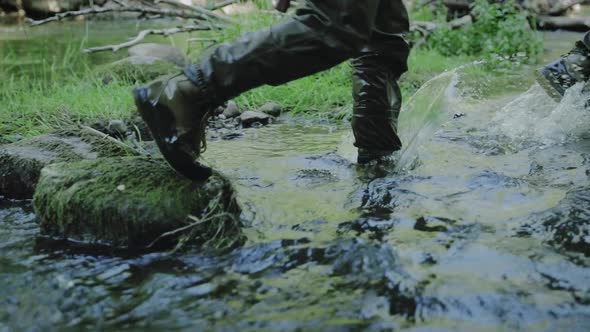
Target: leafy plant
(499, 29)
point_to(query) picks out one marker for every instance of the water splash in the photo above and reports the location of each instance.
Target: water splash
(534, 118)
(424, 113)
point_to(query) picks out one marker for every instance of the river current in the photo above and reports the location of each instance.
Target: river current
(481, 224)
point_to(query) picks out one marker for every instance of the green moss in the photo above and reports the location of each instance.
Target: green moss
(21, 162)
(133, 201)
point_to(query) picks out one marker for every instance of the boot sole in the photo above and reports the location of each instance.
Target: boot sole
(178, 160)
(545, 83)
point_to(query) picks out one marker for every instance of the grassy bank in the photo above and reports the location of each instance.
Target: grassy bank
(58, 90)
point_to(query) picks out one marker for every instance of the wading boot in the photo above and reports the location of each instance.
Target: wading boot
(368, 156)
(176, 111)
(563, 73)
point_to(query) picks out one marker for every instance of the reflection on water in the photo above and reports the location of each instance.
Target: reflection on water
(487, 231)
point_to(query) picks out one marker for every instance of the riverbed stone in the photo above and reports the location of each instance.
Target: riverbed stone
(566, 226)
(270, 108)
(21, 162)
(132, 201)
(139, 69)
(161, 51)
(250, 117)
(231, 110)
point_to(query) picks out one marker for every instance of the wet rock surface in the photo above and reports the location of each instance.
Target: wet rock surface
(272, 109)
(21, 162)
(131, 202)
(567, 226)
(250, 118)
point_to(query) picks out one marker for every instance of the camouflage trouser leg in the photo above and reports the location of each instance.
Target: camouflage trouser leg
(322, 34)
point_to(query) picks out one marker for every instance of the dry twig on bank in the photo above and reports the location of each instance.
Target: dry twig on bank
(200, 10)
(143, 34)
(128, 8)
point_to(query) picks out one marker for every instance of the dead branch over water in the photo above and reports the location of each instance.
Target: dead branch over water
(143, 34)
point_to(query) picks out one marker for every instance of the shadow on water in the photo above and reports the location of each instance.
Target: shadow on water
(483, 226)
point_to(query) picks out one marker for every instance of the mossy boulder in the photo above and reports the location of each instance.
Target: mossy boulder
(139, 69)
(21, 162)
(135, 202)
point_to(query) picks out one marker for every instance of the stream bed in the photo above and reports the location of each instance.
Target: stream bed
(482, 224)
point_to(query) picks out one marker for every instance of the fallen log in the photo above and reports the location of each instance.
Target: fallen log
(581, 24)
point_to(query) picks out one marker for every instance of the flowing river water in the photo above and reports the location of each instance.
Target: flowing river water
(454, 237)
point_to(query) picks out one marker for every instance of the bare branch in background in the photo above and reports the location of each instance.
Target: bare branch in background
(222, 4)
(580, 24)
(138, 9)
(199, 10)
(143, 34)
(562, 7)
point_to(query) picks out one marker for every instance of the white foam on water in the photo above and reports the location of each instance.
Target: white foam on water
(533, 117)
(424, 113)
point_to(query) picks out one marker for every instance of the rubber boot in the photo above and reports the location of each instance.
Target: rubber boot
(176, 110)
(377, 99)
(322, 34)
(568, 70)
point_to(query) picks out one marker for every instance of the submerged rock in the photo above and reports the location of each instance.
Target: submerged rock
(566, 226)
(132, 201)
(21, 162)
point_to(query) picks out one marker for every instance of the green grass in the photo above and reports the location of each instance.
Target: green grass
(40, 90)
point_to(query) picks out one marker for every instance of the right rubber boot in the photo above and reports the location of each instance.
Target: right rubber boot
(176, 111)
(377, 99)
(562, 74)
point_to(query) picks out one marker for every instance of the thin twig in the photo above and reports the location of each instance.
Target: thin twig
(560, 8)
(222, 4)
(102, 135)
(102, 10)
(143, 34)
(200, 10)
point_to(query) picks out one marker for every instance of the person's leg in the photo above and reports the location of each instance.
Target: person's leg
(568, 70)
(376, 94)
(322, 34)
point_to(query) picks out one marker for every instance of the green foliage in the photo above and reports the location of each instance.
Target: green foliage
(498, 29)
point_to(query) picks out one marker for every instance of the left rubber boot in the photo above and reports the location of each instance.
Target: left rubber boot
(176, 110)
(562, 74)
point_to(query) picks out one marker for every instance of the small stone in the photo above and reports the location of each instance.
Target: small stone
(121, 187)
(231, 110)
(272, 109)
(250, 117)
(117, 128)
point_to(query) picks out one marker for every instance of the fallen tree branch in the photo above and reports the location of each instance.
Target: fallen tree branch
(102, 10)
(561, 8)
(426, 28)
(200, 10)
(222, 4)
(581, 24)
(143, 34)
